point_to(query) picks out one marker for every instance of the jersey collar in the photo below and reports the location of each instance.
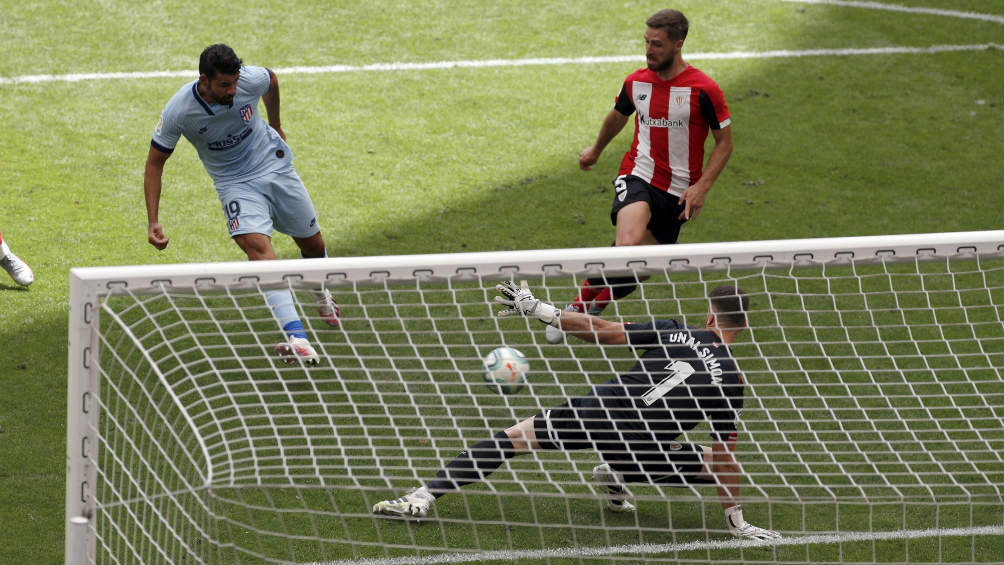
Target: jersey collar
(195, 93)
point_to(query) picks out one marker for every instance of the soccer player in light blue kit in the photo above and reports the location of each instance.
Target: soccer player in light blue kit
(252, 168)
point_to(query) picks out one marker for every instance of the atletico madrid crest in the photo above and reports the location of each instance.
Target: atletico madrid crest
(246, 113)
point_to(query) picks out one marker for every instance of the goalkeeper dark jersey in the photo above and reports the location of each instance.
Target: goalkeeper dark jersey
(684, 376)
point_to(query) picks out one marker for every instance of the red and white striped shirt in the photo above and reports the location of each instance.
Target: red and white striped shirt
(671, 125)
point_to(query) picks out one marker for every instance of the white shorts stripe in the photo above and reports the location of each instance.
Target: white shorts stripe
(644, 166)
(679, 139)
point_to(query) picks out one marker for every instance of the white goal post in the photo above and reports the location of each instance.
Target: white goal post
(873, 426)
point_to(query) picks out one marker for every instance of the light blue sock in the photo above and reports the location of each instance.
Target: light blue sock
(281, 303)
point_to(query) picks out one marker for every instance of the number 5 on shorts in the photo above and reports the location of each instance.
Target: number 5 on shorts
(620, 187)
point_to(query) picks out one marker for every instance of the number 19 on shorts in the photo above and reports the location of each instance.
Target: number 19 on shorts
(232, 209)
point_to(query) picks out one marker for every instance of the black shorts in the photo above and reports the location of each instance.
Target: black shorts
(589, 422)
(666, 208)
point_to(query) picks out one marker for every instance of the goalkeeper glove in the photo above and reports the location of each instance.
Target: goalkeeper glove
(520, 302)
(743, 529)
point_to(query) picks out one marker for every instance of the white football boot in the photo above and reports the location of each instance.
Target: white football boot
(17, 269)
(297, 348)
(327, 308)
(553, 334)
(615, 493)
(415, 504)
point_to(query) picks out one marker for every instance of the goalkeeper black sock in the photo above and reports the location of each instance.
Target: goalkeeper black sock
(473, 465)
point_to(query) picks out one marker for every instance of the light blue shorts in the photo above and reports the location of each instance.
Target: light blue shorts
(276, 200)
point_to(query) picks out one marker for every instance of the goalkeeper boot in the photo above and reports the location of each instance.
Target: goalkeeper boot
(743, 529)
(615, 493)
(327, 308)
(17, 269)
(415, 504)
(297, 348)
(553, 334)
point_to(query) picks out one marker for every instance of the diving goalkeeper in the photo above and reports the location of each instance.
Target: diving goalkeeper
(684, 376)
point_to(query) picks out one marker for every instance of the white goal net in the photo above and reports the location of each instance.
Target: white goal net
(873, 427)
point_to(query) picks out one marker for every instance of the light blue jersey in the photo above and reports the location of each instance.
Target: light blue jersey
(234, 142)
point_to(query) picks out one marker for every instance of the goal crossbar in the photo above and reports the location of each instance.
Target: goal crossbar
(736, 254)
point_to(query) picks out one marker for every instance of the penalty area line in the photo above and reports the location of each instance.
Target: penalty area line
(486, 63)
(652, 549)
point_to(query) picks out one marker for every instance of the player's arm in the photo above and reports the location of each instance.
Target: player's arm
(590, 328)
(151, 189)
(271, 100)
(521, 302)
(693, 197)
(612, 125)
(727, 478)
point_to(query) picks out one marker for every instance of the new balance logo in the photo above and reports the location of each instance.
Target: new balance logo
(642, 96)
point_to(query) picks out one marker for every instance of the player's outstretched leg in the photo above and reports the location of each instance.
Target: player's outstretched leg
(415, 504)
(327, 308)
(296, 347)
(15, 267)
(614, 491)
(313, 248)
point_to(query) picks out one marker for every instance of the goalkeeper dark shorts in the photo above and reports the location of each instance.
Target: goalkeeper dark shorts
(615, 431)
(666, 209)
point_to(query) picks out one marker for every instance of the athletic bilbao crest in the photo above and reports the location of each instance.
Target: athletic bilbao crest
(246, 113)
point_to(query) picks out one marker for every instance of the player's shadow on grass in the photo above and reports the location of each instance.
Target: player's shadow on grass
(17, 287)
(541, 208)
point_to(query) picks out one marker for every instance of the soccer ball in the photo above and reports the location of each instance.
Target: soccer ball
(505, 369)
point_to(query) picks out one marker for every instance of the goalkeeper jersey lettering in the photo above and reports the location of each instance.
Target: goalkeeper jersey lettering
(671, 124)
(234, 142)
(684, 377)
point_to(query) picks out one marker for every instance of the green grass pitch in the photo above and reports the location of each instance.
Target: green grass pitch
(463, 159)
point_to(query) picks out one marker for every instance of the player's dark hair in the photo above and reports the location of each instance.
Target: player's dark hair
(673, 21)
(219, 59)
(730, 304)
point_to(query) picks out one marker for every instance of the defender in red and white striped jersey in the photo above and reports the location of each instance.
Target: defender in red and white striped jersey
(663, 180)
(672, 120)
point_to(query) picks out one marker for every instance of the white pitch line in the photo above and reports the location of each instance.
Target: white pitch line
(486, 63)
(908, 9)
(651, 549)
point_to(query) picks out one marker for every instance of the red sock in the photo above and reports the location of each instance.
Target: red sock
(604, 298)
(587, 294)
